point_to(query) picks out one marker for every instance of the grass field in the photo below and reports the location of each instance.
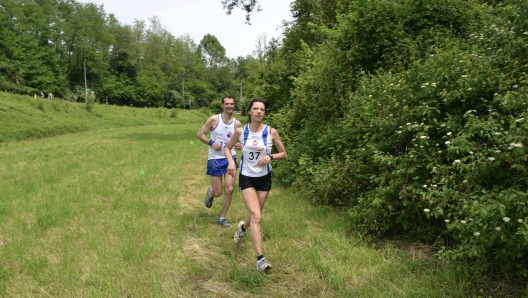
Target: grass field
(118, 212)
(24, 117)
(79, 219)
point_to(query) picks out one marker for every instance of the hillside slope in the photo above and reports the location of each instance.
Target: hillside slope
(24, 117)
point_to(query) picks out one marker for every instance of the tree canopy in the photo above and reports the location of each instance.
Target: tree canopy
(49, 46)
(249, 6)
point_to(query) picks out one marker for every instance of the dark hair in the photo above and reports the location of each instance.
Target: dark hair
(254, 100)
(227, 96)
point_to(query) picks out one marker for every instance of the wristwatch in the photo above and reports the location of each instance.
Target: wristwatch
(271, 156)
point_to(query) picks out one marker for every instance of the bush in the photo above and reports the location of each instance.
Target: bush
(216, 106)
(430, 141)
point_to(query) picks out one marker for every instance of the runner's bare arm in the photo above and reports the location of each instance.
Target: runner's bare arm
(238, 125)
(231, 168)
(206, 128)
(278, 144)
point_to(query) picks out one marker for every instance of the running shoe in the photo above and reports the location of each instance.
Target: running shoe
(224, 222)
(240, 233)
(263, 264)
(209, 198)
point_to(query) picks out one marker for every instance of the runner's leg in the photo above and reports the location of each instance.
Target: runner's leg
(216, 183)
(228, 195)
(255, 203)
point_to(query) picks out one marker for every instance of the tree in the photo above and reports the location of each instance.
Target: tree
(198, 85)
(85, 36)
(247, 5)
(45, 45)
(219, 73)
(261, 47)
(28, 60)
(123, 61)
(213, 52)
(419, 108)
(247, 73)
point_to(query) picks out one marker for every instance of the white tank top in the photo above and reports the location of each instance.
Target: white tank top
(221, 134)
(255, 145)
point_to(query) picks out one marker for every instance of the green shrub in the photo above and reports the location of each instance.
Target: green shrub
(412, 117)
(216, 106)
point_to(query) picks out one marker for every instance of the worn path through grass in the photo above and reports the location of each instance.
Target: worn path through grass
(119, 213)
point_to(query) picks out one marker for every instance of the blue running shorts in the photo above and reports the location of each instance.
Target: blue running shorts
(218, 167)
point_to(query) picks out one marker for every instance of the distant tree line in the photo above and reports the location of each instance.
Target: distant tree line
(47, 45)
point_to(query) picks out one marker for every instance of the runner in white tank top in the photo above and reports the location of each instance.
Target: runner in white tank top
(255, 145)
(255, 173)
(220, 128)
(221, 134)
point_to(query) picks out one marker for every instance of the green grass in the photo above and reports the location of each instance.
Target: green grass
(24, 117)
(119, 212)
(80, 220)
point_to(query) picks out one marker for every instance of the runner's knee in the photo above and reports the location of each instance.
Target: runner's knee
(229, 189)
(216, 192)
(255, 218)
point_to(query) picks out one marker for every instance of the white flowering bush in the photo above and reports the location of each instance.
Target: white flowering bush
(425, 136)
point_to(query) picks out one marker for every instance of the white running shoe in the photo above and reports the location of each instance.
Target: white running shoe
(239, 233)
(263, 264)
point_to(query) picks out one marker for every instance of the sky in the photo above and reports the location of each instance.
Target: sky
(200, 17)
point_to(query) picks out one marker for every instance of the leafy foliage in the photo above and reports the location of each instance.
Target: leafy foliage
(411, 116)
(247, 5)
(55, 46)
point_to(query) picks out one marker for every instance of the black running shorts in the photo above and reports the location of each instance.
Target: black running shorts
(258, 183)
